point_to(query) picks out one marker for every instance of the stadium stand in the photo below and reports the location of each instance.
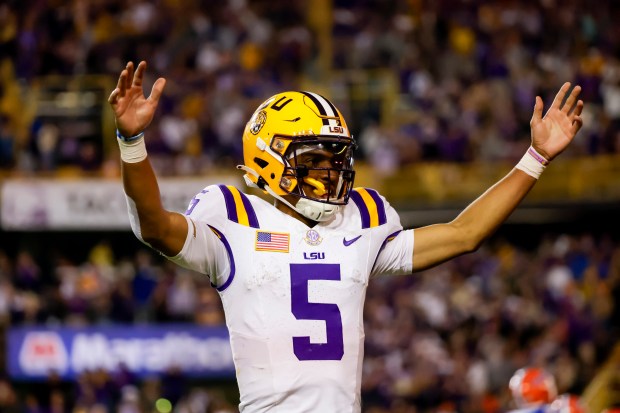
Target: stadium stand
(438, 94)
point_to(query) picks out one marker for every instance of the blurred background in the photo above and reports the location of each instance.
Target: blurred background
(438, 94)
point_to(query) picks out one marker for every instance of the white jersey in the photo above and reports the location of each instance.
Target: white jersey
(293, 296)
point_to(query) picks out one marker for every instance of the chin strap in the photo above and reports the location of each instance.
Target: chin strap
(316, 211)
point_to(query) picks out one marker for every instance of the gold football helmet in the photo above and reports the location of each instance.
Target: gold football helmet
(297, 143)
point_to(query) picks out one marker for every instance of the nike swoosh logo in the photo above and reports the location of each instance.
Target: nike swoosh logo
(351, 241)
(292, 120)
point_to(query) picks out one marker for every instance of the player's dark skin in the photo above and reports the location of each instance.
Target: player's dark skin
(312, 160)
(434, 244)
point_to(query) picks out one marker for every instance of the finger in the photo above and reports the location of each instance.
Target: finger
(120, 85)
(113, 96)
(559, 98)
(157, 90)
(570, 101)
(129, 77)
(139, 75)
(538, 110)
(578, 108)
(577, 124)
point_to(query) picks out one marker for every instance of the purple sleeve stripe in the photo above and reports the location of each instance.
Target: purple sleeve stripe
(380, 207)
(389, 238)
(361, 205)
(231, 260)
(249, 209)
(385, 241)
(231, 208)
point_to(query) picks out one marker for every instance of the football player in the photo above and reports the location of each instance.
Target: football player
(534, 391)
(292, 274)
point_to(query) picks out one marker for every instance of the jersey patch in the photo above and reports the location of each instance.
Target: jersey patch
(372, 210)
(272, 241)
(238, 207)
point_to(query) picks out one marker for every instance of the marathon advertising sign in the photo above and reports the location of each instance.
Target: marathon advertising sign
(34, 352)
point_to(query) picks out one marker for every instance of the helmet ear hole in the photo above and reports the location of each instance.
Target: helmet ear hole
(261, 162)
(261, 183)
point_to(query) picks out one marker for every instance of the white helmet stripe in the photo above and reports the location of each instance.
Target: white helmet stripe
(329, 111)
(326, 106)
(331, 105)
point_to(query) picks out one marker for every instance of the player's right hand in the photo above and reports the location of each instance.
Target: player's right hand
(132, 110)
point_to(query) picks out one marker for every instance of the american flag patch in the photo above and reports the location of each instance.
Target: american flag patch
(272, 241)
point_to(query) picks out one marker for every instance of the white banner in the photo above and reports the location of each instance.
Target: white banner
(88, 204)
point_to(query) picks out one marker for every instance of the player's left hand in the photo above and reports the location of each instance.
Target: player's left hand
(552, 133)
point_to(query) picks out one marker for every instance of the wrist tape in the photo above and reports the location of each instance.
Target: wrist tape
(132, 149)
(532, 163)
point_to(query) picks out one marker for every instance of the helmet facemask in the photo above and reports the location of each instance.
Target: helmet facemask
(318, 168)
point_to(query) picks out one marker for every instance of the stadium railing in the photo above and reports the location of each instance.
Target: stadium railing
(604, 390)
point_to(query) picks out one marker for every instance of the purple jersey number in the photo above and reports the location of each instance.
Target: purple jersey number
(333, 348)
(192, 205)
(194, 202)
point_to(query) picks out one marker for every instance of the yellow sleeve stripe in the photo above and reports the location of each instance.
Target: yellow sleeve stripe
(242, 214)
(370, 204)
(239, 207)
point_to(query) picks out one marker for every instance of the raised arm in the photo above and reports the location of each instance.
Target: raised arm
(163, 230)
(551, 134)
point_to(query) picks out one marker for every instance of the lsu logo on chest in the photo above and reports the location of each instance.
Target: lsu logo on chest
(314, 255)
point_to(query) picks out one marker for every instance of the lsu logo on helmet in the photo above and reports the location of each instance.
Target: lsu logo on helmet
(257, 122)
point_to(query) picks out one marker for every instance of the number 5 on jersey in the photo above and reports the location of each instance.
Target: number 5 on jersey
(333, 348)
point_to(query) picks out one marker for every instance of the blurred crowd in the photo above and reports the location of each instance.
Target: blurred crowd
(447, 339)
(453, 336)
(466, 74)
(51, 289)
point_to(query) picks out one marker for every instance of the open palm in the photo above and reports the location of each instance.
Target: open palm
(132, 110)
(552, 133)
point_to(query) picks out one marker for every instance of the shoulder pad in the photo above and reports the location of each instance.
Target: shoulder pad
(370, 205)
(238, 206)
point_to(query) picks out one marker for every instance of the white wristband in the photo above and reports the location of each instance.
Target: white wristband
(532, 163)
(133, 151)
